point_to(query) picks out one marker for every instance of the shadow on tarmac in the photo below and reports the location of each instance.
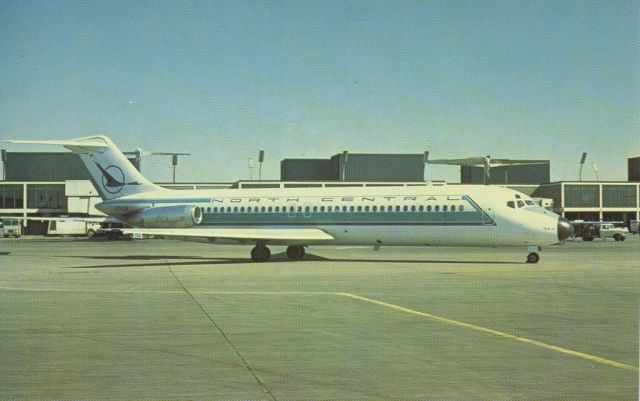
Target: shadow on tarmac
(171, 260)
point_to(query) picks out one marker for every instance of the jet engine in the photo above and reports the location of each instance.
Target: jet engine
(167, 217)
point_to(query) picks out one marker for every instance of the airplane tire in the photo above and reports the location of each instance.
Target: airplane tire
(260, 254)
(533, 258)
(295, 252)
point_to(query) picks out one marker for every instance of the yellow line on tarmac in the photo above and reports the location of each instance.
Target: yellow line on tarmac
(582, 355)
(398, 308)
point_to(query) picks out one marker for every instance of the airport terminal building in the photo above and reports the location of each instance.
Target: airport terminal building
(57, 184)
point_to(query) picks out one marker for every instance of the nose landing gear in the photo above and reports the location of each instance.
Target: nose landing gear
(533, 256)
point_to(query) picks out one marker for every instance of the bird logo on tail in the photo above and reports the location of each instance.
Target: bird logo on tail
(110, 183)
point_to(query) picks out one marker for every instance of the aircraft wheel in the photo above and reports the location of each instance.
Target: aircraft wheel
(260, 253)
(533, 258)
(295, 252)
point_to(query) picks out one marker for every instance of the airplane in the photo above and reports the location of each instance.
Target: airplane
(426, 215)
(486, 163)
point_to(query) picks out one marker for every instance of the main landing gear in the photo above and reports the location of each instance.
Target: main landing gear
(533, 256)
(295, 252)
(260, 253)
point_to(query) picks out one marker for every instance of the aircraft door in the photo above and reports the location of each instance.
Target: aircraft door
(488, 217)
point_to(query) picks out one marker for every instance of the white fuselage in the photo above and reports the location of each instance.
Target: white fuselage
(429, 215)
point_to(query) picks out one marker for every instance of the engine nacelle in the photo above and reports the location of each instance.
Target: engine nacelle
(167, 217)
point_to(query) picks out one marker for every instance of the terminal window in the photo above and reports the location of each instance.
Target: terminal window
(11, 196)
(619, 196)
(581, 196)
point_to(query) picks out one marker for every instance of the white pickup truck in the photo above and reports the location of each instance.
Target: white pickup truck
(10, 228)
(609, 230)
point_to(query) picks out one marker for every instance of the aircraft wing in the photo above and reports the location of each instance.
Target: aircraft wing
(480, 161)
(510, 162)
(239, 233)
(470, 161)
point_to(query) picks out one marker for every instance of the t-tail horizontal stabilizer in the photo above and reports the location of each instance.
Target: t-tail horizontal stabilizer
(112, 173)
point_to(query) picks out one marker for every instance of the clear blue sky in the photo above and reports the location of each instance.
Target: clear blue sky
(222, 80)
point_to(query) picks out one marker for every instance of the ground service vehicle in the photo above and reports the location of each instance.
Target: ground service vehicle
(112, 231)
(11, 228)
(71, 227)
(588, 231)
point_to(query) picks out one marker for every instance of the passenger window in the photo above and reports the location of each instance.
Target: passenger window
(344, 208)
(413, 208)
(249, 209)
(322, 208)
(421, 208)
(270, 209)
(235, 209)
(397, 208)
(242, 209)
(461, 208)
(437, 208)
(428, 208)
(329, 208)
(315, 208)
(209, 210)
(299, 209)
(366, 208)
(351, 208)
(444, 208)
(375, 208)
(215, 210)
(291, 209)
(453, 208)
(511, 204)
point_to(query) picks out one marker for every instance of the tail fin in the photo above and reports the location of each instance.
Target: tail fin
(112, 173)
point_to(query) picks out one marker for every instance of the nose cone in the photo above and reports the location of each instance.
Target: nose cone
(565, 229)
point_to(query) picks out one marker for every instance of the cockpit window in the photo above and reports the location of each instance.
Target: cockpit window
(511, 204)
(530, 203)
(520, 203)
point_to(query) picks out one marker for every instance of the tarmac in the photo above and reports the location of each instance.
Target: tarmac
(161, 319)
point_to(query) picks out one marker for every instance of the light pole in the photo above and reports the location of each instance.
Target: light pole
(584, 157)
(345, 155)
(595, 170)
(251, 168)
(260, 160)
